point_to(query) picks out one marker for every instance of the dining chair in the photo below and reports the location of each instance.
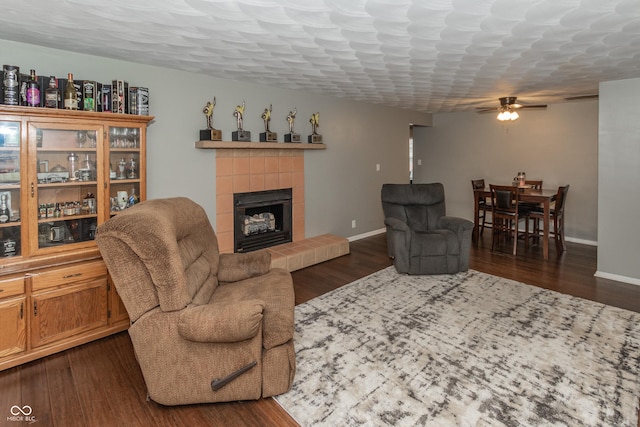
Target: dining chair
(484, 205)
(507, 213)
(535, 184)
(556, 215)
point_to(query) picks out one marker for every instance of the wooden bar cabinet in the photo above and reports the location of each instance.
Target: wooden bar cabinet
(62, 173)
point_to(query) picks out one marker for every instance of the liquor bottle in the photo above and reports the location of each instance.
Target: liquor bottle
(11, 85)
(52, 94)
(33, 90)
(57, 213)
(70, 95)
(4, 210)
(88, 95)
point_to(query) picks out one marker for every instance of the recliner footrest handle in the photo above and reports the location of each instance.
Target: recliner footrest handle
(218, 383)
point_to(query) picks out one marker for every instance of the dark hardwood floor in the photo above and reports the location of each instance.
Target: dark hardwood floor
(100, 384)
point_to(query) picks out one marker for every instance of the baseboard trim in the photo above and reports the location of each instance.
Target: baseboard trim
(581, 241)
(383, 230)
(568, 239)
(617, 278)
(367, 234)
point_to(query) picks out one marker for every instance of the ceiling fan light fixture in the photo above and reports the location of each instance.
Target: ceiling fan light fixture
(507, 114)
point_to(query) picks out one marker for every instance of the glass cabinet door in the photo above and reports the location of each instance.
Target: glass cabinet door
(66, 195)
(125, 157)
(10, 220)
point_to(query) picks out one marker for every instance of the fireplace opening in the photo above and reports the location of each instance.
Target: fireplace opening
(261, 219)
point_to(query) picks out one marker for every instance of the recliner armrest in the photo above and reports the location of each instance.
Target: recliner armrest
(455, 224)
(234, 322)
(395, 224)
(240, 266)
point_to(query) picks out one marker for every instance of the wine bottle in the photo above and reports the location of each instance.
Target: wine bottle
(52, 94)
(33, 90)
(70, 94)
(4, 210)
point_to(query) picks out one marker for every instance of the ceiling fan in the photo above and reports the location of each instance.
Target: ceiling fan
(508, 107)
(581, 97)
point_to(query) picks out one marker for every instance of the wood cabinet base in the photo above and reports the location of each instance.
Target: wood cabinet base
(47, 310)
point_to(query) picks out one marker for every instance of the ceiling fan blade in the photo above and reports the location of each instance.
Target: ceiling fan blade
(580, 97)
(487, 109)
(533, 107)
(509, 102)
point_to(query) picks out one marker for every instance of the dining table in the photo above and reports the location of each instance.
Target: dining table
(542, 197)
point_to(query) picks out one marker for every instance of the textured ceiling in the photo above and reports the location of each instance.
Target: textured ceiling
(427, 55)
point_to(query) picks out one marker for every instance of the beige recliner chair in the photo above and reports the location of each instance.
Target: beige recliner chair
(205, 326)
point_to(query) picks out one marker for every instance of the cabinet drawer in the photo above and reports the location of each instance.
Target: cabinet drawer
(11, 287)
(69, 274)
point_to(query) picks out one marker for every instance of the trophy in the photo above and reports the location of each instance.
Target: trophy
(240, 134)
(267, 135)
(291, 136)
(210, 133)
(315, 123)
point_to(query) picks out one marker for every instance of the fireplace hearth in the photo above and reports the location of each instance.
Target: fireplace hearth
(261, 219)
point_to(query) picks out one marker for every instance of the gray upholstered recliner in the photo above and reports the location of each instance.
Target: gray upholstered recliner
(421, 239)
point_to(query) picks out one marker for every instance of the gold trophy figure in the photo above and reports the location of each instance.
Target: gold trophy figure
(240, 134)
(267, 135)
(292, 136)
(210, 133)
(315, 124)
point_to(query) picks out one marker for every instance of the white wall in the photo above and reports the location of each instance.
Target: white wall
(558, 145)
(619, 164)
(341, 182)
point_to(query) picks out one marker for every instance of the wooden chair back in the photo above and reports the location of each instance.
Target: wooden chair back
(533, 183)
(477, 184)
(504, 198)
(560, 200)
(506, 212)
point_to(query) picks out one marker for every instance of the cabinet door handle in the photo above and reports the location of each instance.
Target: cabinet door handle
(21, 310)
(35, 308)
(33, 190)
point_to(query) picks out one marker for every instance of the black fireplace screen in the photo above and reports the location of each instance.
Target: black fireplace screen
(261, 219)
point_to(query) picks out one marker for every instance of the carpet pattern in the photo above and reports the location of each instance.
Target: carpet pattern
(469, 349)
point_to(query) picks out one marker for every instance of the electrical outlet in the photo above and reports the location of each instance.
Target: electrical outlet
(419, 162)
(353, 223)
(378, 167)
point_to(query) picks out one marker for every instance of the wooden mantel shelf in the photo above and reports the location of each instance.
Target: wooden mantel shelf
(259, 145)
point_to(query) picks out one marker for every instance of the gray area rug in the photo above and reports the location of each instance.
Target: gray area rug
(464, 350)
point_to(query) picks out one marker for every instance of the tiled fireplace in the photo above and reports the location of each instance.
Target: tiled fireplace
(245, 170)
(242, 170)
